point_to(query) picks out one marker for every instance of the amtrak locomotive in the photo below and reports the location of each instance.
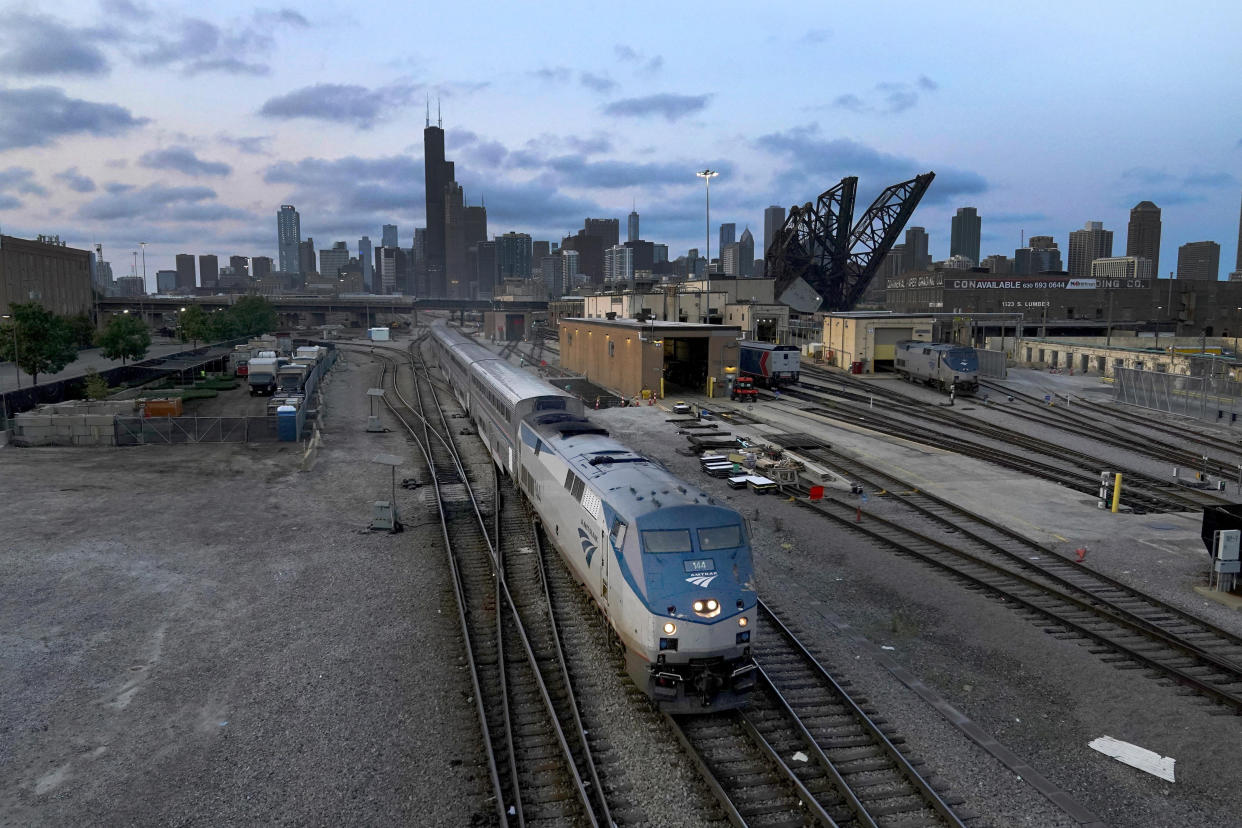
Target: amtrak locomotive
(668, 566)
(944, 366)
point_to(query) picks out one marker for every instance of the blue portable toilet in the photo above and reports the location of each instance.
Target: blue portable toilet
(287, 423)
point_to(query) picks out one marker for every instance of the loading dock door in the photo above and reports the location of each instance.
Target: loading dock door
(886, 340)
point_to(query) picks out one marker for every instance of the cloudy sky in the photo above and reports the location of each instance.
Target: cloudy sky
(188, 125)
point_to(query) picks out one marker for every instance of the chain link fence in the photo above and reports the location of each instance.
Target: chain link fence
(1209, 396)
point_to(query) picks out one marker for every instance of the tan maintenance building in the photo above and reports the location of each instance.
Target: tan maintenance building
(629, 356)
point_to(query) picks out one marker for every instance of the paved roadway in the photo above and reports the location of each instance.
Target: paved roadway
(11, 379)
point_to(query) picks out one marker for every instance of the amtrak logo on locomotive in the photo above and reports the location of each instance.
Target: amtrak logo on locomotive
(588, 544)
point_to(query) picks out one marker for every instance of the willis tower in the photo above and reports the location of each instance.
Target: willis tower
(438, 173)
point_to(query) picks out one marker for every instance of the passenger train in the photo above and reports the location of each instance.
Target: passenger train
(668, 566)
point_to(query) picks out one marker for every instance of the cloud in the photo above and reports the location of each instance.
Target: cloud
(37, 116)
(850, 101)
(251, 144)
(182, 160)
(19, 180)
(556, 74)
(118, 187)
(475, 149)
(813, 158)
(33, 45)
(75, 181)
(1215, 179)
(887, 98)
(670, 107)
(127, 9)
(815, 36)
(230, 66)
(589, 146)
(600, 83)
(160, 203)
(197, 46)
(286, 16)
(339, 103)
(627, 54)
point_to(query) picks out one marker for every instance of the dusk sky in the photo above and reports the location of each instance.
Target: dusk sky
(188, 125)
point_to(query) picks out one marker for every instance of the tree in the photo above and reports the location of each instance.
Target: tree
(124, 337)
(254, 315)
(194, 324)
(82, 329)
(221, 325)
(43, 340)
(96, 386)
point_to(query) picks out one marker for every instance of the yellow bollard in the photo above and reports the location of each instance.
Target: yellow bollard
(1116, 492)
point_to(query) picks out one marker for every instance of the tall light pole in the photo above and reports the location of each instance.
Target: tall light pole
(707, 176)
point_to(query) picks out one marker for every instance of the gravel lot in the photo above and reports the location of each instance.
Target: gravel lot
(205, 634)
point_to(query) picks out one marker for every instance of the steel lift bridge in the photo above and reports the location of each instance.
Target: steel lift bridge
(822, 261)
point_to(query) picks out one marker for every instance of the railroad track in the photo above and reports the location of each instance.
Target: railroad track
(540, 772)
(1071, 601)
(805, 752)
(1143, 492)
(1103, 423)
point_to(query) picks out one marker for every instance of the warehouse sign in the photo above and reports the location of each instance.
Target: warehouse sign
(1045, 284)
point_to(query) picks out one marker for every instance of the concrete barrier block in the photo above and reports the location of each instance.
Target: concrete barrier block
(85, 441)
(33, 420)
(27, 442)
(99, 420)
(35, 431)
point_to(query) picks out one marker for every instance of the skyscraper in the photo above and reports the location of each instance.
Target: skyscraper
(185, 271)
(332, 260)
(618, 264)
(746, 254)
(916, 255)
(209, 270)
(964, 238)
(288, 234)
(1199, 261)
(260, 266)
(608, 231)
(306, 258)
(773, 220)
(513, 252)
(632, 235)
(364, 259)
(438, 174)
(1086, 245)
(388, 237)
(1041, 255)
(241, 268)
(728, 235)
(1143, 234)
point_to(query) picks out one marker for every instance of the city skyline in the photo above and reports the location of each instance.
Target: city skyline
(113, 128)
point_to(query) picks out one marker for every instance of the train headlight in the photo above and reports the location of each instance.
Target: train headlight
(698, 606)
(742, 622)
(669, 628)
(712, 606)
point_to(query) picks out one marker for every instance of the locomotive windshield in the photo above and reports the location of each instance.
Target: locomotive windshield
(666, 541)
(720, 537)
(963, 359)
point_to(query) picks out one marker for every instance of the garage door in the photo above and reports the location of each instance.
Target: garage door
(887, 338)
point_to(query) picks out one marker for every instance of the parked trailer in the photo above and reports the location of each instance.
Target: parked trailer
(772, 366)
(291, 378)
(377, 334)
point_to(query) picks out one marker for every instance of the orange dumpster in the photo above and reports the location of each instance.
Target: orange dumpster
(170, 407)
